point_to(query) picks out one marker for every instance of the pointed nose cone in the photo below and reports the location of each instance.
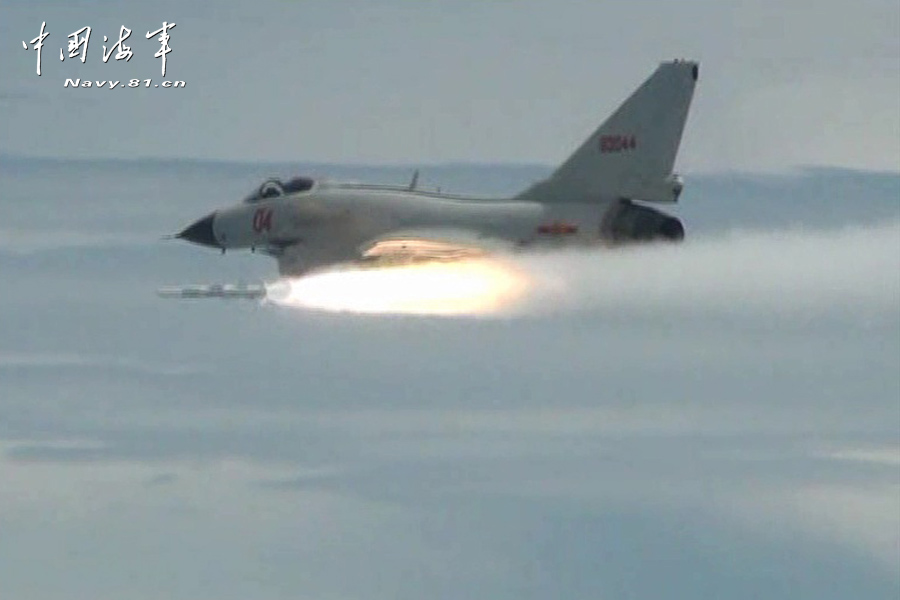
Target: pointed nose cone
(201, 232)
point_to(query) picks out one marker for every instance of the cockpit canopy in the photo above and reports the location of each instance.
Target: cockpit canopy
(274, 188)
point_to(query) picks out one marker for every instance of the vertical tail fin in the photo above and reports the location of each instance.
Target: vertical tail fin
(632, 153)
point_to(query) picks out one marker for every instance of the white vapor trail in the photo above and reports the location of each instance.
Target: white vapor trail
(790, 271)
(853, 270)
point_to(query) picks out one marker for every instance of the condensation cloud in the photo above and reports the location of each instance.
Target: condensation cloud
(855, 269)
(791, 272)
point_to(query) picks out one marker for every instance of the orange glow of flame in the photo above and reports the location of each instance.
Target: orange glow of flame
(470, 287)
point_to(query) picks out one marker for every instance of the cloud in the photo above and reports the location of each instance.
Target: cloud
(676, 423)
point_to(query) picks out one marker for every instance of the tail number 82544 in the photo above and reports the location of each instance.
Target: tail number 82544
(617, 143)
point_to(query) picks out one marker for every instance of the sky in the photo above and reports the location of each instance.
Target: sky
(429, 82)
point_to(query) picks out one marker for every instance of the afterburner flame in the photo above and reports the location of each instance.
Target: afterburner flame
(471, 287)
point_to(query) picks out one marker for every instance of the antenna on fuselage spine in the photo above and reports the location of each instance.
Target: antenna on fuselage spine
(415, 181)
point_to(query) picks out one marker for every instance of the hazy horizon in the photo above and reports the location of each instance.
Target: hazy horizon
(439, 81)
(410, 166)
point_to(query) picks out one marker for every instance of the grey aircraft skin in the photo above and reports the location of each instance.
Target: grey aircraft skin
(599, 195)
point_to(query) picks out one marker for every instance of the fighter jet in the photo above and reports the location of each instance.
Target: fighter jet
(601, 194)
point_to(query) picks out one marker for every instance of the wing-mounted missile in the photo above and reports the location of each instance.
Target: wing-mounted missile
(215, 290)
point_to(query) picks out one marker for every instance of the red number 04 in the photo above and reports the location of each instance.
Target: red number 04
(262, 220)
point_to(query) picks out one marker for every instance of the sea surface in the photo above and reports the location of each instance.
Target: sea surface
(717, 419)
